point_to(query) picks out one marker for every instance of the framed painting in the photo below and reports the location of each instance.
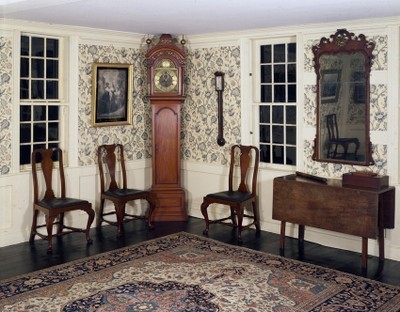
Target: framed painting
(111, 94)
(330, 86)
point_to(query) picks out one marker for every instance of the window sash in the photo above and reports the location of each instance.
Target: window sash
(42, 128)
(275, 75)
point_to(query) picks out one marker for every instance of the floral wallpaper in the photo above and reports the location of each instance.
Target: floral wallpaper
(199, 118)
(5, 103)
(200, 111)
(378, 115)
(136, 137)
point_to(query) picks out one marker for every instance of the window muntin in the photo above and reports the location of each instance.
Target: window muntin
(277, 102)
(40, 108)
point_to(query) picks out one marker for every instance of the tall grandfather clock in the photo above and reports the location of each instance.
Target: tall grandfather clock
(165, 70)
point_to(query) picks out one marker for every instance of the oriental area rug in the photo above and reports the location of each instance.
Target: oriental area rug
(185, 272)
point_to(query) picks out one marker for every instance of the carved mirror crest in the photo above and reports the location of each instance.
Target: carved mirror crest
(343, 66)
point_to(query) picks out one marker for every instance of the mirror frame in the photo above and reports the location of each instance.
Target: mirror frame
(344, 42)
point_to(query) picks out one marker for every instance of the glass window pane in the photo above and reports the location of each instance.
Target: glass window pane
(279, 73)
(266, 76)
(37, 46)
(39, 113)
(291, 156)
(55, 153)
(39, 132)
(277, 114)
(264, 114)
(24, 67)
(291, 93)
(264, 134)
(51, 69)
(52, 47)
(53, 131)
(24, 45)
(279, 53)
(51, 90)
(291, 52)
(37, 70)
(25, 154)
(25, 113)
(53, 113)
(277, 154)
(53, 145)
(291, 135)
(277, 134)
(265, 155)
(266, 94)
(266, 54)
(37, 89)
(291, 69)
(24, 89)
(291, 115)
(25, 133)
(279, 93)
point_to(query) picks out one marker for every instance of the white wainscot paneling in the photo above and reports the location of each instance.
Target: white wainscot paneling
(5, 207)
(15, 208)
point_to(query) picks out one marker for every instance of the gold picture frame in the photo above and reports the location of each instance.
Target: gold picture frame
(111, 94)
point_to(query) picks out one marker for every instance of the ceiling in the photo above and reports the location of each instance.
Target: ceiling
(190, 17)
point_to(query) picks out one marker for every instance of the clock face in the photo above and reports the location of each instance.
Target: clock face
(166, 77)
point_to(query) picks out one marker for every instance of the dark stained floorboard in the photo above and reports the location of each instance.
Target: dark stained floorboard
(23, 258)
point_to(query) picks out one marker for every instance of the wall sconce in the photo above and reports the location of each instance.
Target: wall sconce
(219, 87)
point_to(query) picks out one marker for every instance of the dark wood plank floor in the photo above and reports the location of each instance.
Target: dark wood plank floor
(23, 258)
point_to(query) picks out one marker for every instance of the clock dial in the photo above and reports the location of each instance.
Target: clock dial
(166, 80)
(166, 77)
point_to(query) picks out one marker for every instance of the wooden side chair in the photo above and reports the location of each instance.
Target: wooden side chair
(245, 160)
(53, 206)
(109, 156)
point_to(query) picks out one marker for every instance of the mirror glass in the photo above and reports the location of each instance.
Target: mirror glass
(342, 65)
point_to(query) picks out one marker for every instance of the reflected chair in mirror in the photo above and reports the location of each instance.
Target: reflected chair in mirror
(112, 166)
(52, 206)
(334, 141)
(243, 171)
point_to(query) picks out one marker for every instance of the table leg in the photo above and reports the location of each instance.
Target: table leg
(381, 244)
(364, 255)
(381, 233)
(282, 239)
(301, 241)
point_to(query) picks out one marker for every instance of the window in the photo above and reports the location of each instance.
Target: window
(39, 94)
(276, 101)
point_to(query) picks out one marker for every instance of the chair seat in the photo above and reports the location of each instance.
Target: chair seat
(122, 193)
(234, 196)
(57, 203)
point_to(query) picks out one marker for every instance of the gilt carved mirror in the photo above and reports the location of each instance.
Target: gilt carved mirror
(343, 66)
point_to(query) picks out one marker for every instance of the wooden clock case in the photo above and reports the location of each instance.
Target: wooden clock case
(166, 190)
